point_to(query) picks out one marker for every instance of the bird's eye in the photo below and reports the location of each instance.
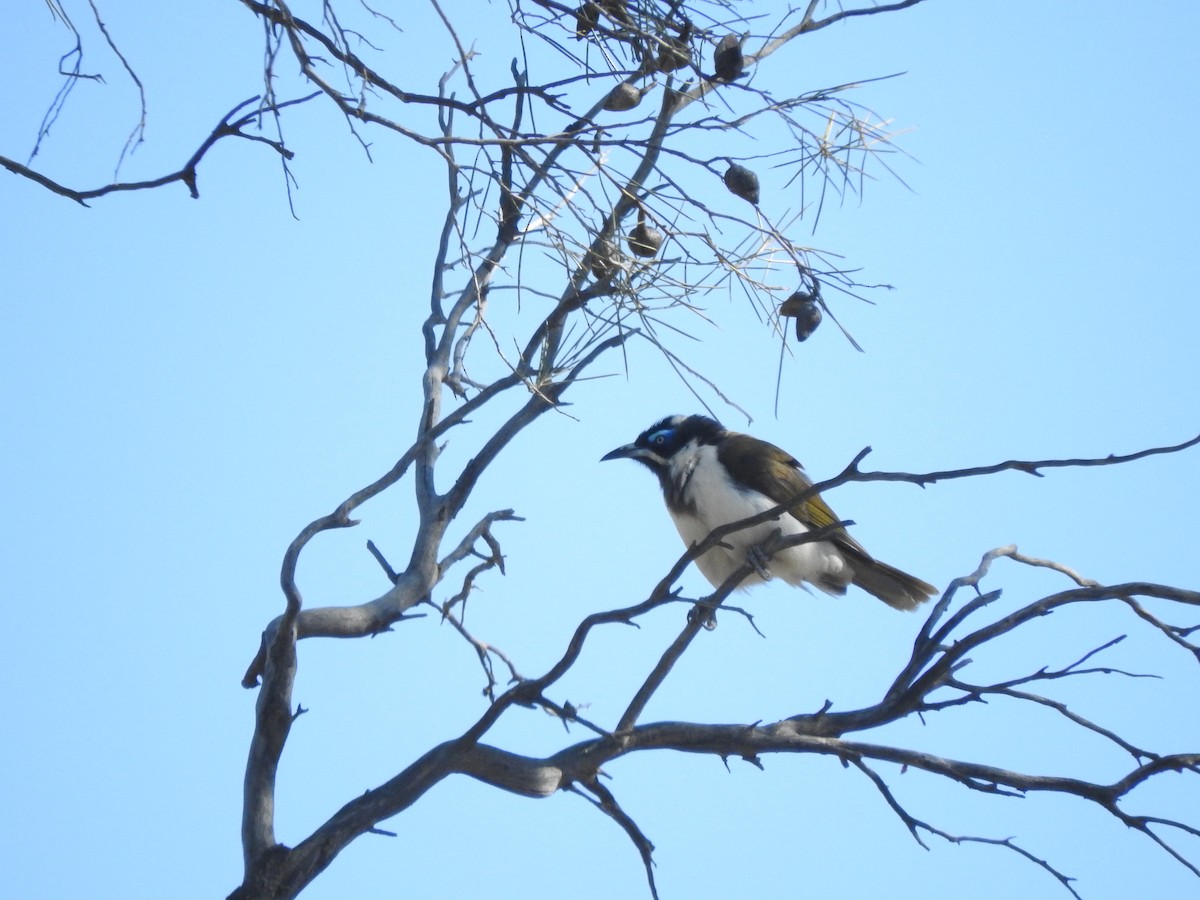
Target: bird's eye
(660, 438)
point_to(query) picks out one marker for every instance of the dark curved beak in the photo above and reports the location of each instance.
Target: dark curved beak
(627, 452)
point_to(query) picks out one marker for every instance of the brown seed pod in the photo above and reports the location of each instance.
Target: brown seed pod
(803, 307)
(617, 9)
(644, 240)
(624, 96)
(728, 61)
(807, 321)
(673, 58)
(587, 17)
(674, 55)
(742, 183)
(604, 260)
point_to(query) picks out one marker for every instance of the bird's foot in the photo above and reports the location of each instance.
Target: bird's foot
(704, 614)
(758, 560)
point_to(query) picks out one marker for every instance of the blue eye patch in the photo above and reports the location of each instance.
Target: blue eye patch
(661, 438)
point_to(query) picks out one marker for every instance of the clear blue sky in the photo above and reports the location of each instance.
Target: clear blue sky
(187, 383)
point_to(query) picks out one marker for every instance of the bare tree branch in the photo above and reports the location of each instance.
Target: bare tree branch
(187, 175)
(588, 214)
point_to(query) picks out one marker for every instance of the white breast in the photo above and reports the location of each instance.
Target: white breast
(717, 501)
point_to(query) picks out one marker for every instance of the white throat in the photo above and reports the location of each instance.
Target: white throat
(705, 497)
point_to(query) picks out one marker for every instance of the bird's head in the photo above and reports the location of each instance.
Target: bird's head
(656, 445)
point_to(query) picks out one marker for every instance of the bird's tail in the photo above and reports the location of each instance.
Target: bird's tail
(897, 589)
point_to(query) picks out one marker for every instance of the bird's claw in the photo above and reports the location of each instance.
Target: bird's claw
(706, 615)
(758, 560)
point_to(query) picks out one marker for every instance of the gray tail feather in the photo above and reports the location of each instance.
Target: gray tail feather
(897, 589)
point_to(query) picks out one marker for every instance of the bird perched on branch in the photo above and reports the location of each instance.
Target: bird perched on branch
(711, 476)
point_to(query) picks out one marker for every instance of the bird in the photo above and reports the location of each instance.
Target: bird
(711, 476)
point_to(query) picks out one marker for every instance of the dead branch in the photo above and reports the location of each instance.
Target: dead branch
(823, 733)
(580, 168)
(188, 173)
